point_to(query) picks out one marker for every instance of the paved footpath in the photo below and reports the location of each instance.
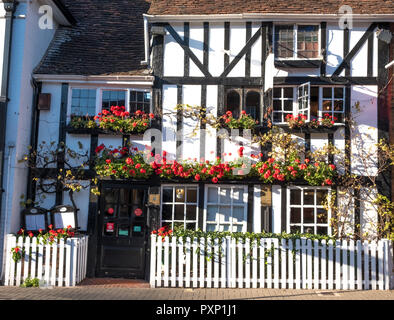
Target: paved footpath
(104, 292)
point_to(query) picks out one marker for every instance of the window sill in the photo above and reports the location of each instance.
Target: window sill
(298, 63)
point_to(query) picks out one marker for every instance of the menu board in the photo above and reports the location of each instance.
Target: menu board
(35, 222)
(64, 219)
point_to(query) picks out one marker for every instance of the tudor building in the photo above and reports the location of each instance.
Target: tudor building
(224, 56)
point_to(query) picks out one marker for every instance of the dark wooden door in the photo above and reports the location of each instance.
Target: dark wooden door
(122, 232)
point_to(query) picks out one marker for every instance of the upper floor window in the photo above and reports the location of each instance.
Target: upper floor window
(139, 100)
(88, 101)
(113, 98)
(296, 41)
(312, 101)
(83, 102)
(246, 99)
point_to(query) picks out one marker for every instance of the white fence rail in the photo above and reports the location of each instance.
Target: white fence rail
(59, 264)
(270, 263)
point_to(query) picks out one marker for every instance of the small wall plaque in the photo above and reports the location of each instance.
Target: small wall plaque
(44, 101)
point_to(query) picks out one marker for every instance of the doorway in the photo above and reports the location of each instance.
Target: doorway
(123, 234)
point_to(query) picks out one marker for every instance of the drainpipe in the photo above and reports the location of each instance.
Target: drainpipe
(9, 6)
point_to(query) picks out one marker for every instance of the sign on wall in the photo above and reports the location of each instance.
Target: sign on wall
(64, 216)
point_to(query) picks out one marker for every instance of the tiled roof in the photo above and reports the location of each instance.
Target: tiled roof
(198, 7)
(107, 39)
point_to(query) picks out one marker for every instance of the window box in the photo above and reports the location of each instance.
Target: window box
(301, 63)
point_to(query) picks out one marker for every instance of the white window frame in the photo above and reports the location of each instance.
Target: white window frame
(296, 104)
(99, 95)
(295, 34)
(245, 204)
(314, 206)
(321, 99)
(282, 99)
(174, 186)
(304, 97)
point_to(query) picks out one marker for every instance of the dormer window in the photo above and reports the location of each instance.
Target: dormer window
(297, 42)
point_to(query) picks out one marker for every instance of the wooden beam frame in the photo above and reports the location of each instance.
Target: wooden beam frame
(346, 60)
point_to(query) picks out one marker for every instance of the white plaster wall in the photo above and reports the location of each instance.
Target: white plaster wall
(358, 67)
(276, 209)
(255, 57)
(81, 200)
(339, 143)
(29, 44)
(191, 127)
(48, 129)
(237, 42)
(210, 134)
(345, 203)
(110, 141)
(196, 45)
(334, 47)
(216, 48)
(169, 120)
(173, 53)
(318, 141)
(368, 213)
(364, 135)
(80, 144)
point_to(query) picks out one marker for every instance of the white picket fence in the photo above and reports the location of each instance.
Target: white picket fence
(270, 263)
(59, 264)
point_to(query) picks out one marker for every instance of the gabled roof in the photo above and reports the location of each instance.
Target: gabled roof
(209, 7)
(107, 39)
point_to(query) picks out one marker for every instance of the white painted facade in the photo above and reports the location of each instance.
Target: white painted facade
(29, 44)
(173, 60)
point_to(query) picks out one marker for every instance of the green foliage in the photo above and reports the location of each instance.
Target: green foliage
(31, 282)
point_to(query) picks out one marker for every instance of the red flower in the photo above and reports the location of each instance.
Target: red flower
(16, 249)
(215, 180)
(110, 211)
(143, 170)
(151, 115)
(328, 182)
(108, 161)
(129, 161)
(197, 177)
(50, 226)
(99, 148)
(243, 112)
(332, 167)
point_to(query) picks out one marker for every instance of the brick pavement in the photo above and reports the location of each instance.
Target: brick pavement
(120, 289)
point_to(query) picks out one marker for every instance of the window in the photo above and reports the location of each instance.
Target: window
(238, 99)
(303, 98)
(226, 208)
(83, 102)
(283, 101)
(306, 37)
(307, 42)
(179, 207)
(139, 100)
(305, 211)
(284, 41)
(113, 98)
(333, 102)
